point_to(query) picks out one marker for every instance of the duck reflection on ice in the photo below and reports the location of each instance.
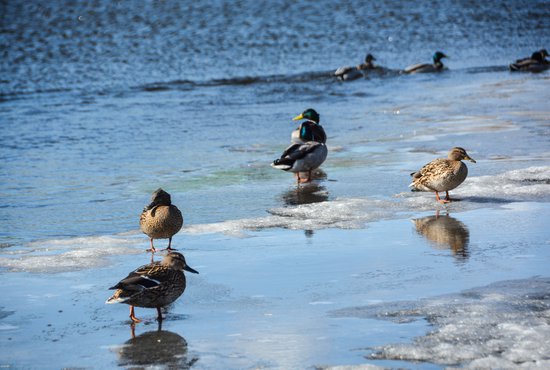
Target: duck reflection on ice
(445, 232)
(305, 194)
(155, 348)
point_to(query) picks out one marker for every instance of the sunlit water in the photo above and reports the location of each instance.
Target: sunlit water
(103, 103)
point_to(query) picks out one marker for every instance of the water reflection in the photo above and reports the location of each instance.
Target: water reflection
(305, 194)
(155, 348)
(445, 232)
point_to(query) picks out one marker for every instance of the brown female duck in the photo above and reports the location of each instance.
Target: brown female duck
(154, 285)
(160, 219)
(442, 174)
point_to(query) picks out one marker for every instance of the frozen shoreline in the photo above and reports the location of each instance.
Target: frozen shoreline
(280, 298)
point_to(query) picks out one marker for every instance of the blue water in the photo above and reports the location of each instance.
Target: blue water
(103, 102)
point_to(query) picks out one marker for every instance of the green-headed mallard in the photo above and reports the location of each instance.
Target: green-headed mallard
(307, 150)
(536, 63)
(442, 174)
(437, 65)
(154, 285)
(160, 219)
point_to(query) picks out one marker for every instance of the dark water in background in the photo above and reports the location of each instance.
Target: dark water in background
(111, 47)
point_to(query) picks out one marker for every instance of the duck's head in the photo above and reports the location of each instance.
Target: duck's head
(539, 55)
(369, 58)
(160, 197)
(176, 261)
(309, 114)
(438, 56)
(459, 154)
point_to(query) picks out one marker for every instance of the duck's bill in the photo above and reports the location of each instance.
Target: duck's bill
(187, 268)
(298, 117)
(470, 159)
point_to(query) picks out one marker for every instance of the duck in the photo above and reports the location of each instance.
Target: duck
(368, 63)
(307, 150)
(352, 73)
(160, 219)
(536, 63)
(437, 65)
(442, 174)
(154, 285)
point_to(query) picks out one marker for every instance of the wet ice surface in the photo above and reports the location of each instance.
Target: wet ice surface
(309, 209)
(382, 295)
(502, 325)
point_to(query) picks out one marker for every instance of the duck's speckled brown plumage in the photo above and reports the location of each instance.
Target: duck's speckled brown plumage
(161, 219)
(442, 174)
(154, 285)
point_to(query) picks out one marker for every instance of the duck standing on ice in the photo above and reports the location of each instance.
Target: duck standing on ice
(442, 174)
(307, 150)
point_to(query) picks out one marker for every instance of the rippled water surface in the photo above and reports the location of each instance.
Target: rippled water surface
(103, 102)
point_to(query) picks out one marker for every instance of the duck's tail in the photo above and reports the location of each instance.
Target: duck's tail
(116, 298)
(284, 164)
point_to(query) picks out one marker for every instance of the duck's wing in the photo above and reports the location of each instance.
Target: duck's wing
(343, 70)
(294, 153)
(416, 67)
(143, 277)
(522, 64)
(435, 169)
(528, 64)
(292, 148)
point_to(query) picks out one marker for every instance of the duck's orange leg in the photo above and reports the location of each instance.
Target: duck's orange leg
(308, 179)
(133, 316)
(442, 201)
(152, 249)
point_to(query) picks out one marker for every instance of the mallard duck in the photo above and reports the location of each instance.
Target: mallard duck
(307, 150)
(160, 219)
(352, 73)
(442, 174)
(154, 285)
(536, 63)
(437, 65)
(368, 63)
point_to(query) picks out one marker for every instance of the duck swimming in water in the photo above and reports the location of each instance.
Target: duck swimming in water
(442, 174)
(437, 65)
(353, 73)
(368, 63)
(307, 150)
(536, 63)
